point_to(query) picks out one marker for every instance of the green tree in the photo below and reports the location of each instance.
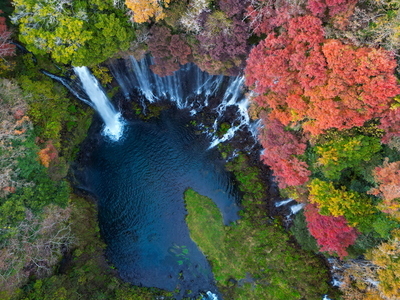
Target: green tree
(345, 152)
(73, 32)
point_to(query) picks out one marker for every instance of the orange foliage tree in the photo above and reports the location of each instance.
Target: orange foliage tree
(48, 154)
(144, 10)
(321, 83)
(387, 177)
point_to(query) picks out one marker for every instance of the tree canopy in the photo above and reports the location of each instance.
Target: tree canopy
(321, 83)
(72, 32)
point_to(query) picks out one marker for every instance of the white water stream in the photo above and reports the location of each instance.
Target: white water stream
(189, 88)
(113, 123)
(294, 209)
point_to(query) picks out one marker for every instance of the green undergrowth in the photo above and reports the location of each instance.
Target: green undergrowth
(39, 191)
(85, 274)
(56, 115)
(253, 258)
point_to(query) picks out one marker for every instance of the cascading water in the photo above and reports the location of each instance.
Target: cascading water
(180, 88)
(189, 88)
(210, 296)
(233, 97)
(283, 202)
(112, 119)
(294, 209)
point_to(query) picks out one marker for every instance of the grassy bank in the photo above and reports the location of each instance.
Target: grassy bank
(253, 258)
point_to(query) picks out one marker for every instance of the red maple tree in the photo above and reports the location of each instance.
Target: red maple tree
(331, 8)
(6, 48)
(390, 122)
(281, 149)
(333, 234)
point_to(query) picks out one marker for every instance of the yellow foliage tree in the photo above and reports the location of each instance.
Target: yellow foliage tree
(355, 207)
(358, 279)
(387, 258)
(144, 10)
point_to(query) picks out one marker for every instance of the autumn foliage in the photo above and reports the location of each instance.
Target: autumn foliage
(331, 8)
(281, 151)
(333, 234)
(360, 86)
(48, 154)
(265, 16)
(282, 67)
(386, 258)
(390, 122)
(322, 83)
(6, 48)
(144, 10)
(221, 46)
(354, 206)
(168, 50)
(387, 177)
(234, 8)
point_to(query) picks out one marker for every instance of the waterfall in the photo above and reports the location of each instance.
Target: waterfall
(181, 88)
(210, 296)
(112, 118)
(233, 97)
(284, 202)
(189, 88)
(296, 208)
(88, 90)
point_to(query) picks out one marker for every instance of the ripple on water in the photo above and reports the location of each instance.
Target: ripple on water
(139, 185)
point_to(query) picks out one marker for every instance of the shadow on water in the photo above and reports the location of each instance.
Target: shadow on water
(139, 183)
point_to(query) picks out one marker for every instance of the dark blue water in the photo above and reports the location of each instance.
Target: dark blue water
(139, 184)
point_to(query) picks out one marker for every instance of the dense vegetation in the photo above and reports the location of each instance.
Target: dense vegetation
(323, 77)
(329, 110)
(253, 259)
